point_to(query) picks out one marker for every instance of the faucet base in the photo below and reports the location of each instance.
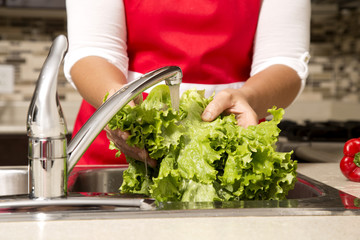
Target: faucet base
(47, 175)
(51, 172)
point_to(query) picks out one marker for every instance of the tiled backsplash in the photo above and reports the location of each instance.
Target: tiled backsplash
(332, 90)
(26, 35)
(335, 50)
(25, 39)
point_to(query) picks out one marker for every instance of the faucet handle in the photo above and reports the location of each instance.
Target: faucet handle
(46, 129)
(45, 116)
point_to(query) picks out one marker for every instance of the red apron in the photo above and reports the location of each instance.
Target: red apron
(211, 40)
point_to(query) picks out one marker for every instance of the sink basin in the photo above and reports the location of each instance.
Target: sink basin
(307, 194)
(93, 193)
(98, 180)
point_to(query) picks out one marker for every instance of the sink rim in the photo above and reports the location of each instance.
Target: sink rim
(12, 187)
(329, 202)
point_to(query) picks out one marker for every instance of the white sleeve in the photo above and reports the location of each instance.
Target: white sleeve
(283, 36)
(96, 28)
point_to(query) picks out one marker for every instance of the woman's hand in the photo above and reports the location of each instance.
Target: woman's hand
(277, 85)
(119, 139)
(231, 101)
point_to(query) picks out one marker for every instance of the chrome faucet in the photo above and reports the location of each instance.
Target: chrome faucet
(50, 158)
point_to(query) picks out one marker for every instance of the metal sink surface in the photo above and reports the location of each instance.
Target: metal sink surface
(93, 193)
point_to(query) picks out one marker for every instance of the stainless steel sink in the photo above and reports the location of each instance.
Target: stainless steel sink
(308, 194)
(98, 180)
(93, 193)
(13, 180)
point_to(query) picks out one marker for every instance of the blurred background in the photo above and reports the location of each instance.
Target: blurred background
(331, 98)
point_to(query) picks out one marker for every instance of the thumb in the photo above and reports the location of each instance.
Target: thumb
(215, 108)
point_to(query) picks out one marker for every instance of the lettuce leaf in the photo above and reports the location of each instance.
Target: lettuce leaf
(202, 161)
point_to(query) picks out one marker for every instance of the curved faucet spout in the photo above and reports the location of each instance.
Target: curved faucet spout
(50, 157)
(171, 75)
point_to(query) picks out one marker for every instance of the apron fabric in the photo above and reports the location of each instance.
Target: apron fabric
(211, 41)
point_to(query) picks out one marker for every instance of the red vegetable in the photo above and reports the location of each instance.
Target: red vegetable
(349, 201)
(350, 163)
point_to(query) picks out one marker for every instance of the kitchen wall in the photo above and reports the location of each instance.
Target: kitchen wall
(25, 38)
(332, 90)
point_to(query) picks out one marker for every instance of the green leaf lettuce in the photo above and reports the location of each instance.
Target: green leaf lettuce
(202, 161)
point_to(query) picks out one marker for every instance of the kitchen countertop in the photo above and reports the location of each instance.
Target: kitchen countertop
(251, 227)
(330, 174)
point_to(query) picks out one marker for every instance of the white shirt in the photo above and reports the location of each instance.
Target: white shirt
(98, 28)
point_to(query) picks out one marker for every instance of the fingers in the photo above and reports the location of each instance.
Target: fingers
(221, 102)
(231, 101)
(247, 119)
(138, 99)
(144, 156)
(113, 135)
(119, 139)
